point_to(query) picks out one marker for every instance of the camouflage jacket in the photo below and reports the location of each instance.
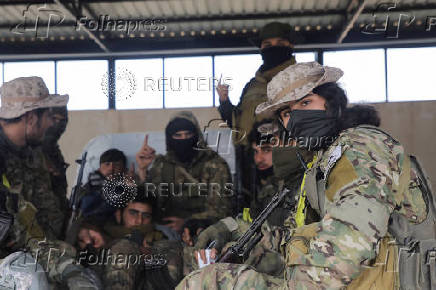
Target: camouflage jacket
(26, 234)
(242, 116)
(355, 185)
(362, 173)
(28, 176)
(118, 274)
(201, 189)
(58, 169)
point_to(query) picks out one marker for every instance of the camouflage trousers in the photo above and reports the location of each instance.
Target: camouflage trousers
(230, 276)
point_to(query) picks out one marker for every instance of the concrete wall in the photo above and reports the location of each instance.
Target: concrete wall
(412, 123)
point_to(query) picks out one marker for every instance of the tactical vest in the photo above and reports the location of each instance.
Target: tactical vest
(408, 264)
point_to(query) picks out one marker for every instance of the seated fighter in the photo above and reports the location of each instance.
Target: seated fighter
(131, 235)
(276, 164)
(190, 180)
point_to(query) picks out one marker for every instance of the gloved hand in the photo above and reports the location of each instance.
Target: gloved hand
(218, 232)
(79, 278)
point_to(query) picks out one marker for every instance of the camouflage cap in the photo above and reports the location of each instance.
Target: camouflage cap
(295, 82)
(26, 94)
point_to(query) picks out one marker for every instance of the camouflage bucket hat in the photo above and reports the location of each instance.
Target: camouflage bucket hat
(295, 82)
(26, 94)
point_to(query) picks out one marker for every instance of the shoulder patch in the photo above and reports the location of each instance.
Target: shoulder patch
(334, 156)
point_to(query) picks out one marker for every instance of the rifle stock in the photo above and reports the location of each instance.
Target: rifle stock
(253, 235)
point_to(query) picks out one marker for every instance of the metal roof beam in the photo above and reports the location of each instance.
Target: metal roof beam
(351, 18)
(91, 34)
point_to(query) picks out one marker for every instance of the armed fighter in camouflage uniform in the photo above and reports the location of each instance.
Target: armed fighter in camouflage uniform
(265, 139)
(23, 158)
(24, 118)
(190, 180)
(133, 237)
(360, 182)
(275, 43)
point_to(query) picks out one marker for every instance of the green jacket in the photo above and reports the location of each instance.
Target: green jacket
(201, 189)
(242, 117)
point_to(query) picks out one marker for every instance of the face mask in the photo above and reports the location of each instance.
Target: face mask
(312, 129)
(275, 55)
(184, 148)
(285, 162)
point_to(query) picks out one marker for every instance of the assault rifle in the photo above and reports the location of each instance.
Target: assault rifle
(74, 200)
(254, 234)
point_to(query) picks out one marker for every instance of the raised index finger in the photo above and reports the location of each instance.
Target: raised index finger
(145, 143)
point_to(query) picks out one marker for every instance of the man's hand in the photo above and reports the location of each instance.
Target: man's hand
(90, 237)
(218, 233)
(188, 238)
(175, 223)
(223, 91)
(213, 255)
(144, 158)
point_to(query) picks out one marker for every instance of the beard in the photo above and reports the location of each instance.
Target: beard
(34, 137)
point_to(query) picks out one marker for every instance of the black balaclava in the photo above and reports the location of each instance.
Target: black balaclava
(313, 129)
(274, 56)
(185, 149)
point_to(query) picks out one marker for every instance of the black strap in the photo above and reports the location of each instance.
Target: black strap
(6, 221)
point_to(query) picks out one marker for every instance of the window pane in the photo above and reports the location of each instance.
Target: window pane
(85, 81)
(137, 83)
(304, 56)
(43, 69)
(187, 82)
(364, 73)
(411, 74)
(236, 71)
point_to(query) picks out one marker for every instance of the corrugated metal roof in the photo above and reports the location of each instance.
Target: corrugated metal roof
(203, 17)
